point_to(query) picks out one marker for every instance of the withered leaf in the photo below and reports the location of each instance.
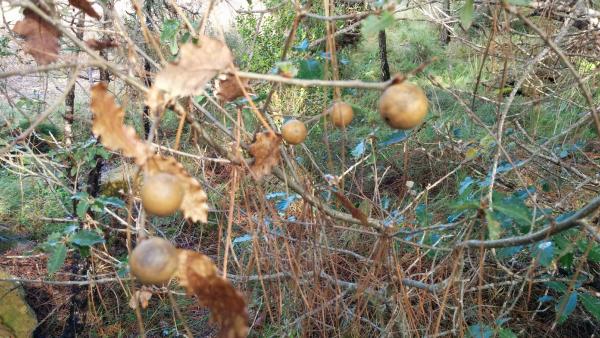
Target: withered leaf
(194, 205)
(86, 7)
(108, 125)
(265, 151)
(141, 298)
(198, 64)
(101, 44)
(198, 274)
(228, 88)
(41, 37)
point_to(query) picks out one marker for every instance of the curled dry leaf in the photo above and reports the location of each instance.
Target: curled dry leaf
(101, 44)
(265, 150)
(41, 37)
(108, 124)
(140, 297)
(198, 64)
(198, 274)
(228, 88)
(194, 204)
(86, 7)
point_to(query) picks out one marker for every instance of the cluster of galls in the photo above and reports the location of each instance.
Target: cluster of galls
(402, 106)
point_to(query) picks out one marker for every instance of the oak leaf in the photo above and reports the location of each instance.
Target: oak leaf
(140, 298)
(199, 275)
(86, 7)
(265, 150)
(197, 64)
(41, 37)
(194, 204)
(108, 125)
(101, 44)
(228, 88)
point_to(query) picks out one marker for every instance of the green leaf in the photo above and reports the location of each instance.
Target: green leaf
(310, 69)
(493, 226)
(519, 2)
(373, 24)
(566, 305)
(82, 208)
(544, 252)
(557, 286)
(57, 258)
(359, 150)
(86, 238)
(111, 201)
(169, 30)
(506, 333)
(466, 14)
(591, 304)
(513, 208)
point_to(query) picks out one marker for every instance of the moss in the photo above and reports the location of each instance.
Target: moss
(15, 313)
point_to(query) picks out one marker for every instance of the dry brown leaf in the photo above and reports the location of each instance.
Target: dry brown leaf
(265, 150)
(194, 205)
(41, 37)
(198, 274)
(228, 88)
(108, 124)
(198, 64)
(101, 44)
(86, 7)
(140, 297)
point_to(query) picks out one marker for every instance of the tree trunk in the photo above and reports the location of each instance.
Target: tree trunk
(385, 67)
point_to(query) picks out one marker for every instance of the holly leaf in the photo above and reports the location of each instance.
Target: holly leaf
(108, 125)
(566, 305)
(57, 258)
(591, 304)
(86, 238)
(169, 30)
(41, 37)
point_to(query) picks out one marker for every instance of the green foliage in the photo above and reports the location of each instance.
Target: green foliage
(374, 24)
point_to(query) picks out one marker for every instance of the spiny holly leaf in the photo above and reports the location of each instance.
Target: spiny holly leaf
(592, 304)
(228, 88)
(101, 44)
(198, 274)
(41, 38)
(86, 7)
(193, 205)
(86, 238)
(57, 259)
(265, 151)
(198, 64)
(108, 124)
